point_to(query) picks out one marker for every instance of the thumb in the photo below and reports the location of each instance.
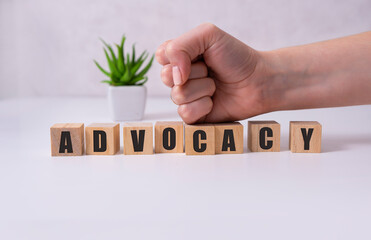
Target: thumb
(183, 50)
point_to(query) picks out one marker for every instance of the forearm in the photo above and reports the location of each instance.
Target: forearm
(325, 74)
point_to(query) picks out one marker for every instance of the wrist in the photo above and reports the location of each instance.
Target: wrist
(291, 82)
(275, 79)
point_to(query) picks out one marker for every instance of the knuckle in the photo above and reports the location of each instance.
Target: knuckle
(171, 48)
(210, 27)
(207, 105)
(165, 76)
(185, 112)
(165, 72)
(159, 55)
(199, 69)
(210, 105)
(178, 96)
(158, 52)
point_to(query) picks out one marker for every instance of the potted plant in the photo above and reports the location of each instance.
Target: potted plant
(126, 92)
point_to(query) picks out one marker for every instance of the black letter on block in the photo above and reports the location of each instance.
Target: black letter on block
(199, 135)
(168, 138)
(138, 143)
(265, 144)
(66, 143)
(306, 137)
(98, 134)
(228, 140)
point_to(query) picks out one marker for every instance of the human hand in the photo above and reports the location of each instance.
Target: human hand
(217, 78)
(214, 77)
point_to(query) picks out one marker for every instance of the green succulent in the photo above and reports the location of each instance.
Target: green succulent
(124, 71)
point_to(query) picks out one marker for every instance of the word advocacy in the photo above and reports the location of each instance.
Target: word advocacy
(67, 139)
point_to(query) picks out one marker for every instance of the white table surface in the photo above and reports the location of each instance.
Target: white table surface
(173, 196)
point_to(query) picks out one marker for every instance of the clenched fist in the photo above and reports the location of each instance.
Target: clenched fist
(217, 78)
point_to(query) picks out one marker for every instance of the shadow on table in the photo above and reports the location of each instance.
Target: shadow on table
(343, 142)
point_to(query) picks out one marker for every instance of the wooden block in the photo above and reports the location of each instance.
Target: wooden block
(102, 138)
(138, 138)
(228, 138)
(305, 137)
(169, 137)
(67, 139)
(264, 136)
(200, 139)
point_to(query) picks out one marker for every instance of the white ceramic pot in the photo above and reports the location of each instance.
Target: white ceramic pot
(127, 103)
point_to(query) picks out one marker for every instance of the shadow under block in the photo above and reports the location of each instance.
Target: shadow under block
(102, 138)
(138, 138)
(228, 138)
(67, 139)
(305, 137)
(199, 139)
(169, 137)
(264, 136)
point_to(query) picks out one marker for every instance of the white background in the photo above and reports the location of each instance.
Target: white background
(47, 47)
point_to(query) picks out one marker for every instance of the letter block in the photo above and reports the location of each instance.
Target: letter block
(67, 139)
(102, 138)
(169, 137)
(305, 137)
(228, 138)
(138, 138)
(200, 139)
(264, 136)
